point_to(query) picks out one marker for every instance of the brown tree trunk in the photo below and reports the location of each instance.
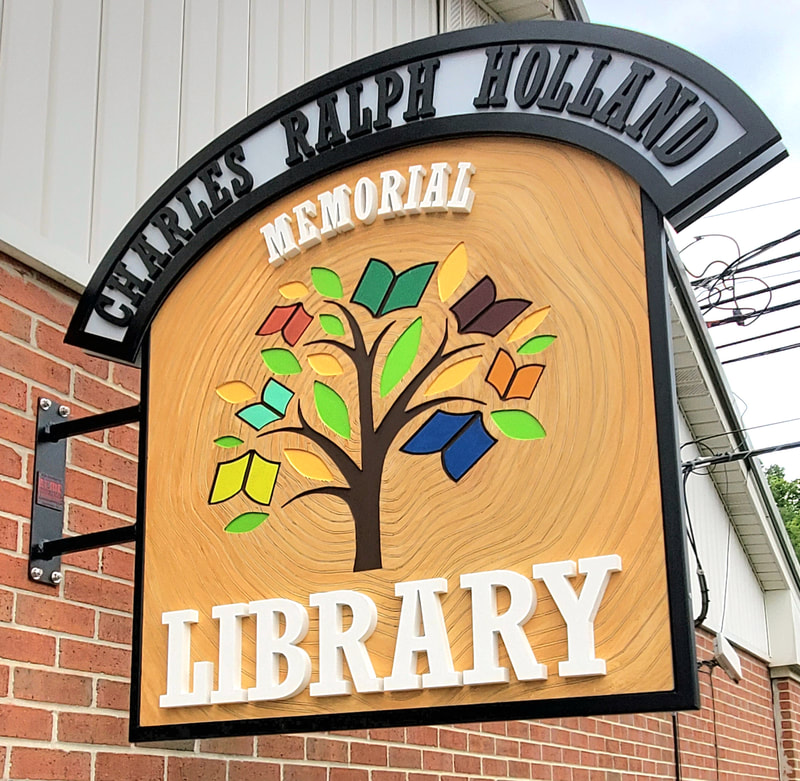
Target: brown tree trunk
(365, 505)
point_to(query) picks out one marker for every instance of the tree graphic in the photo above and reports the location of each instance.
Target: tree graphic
(460, 438)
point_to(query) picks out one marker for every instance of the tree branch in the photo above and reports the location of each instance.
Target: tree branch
(331, 490)
(340, 457)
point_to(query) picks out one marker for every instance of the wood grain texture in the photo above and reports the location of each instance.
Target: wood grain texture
(550, 223)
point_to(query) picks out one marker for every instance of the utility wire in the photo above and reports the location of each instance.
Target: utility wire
(760, 336)
(739, 318)
(762, 353)
(754, 206)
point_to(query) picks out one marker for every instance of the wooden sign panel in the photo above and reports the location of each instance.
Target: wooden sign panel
(409, 470)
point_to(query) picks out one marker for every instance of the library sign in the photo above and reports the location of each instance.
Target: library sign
(408, 445)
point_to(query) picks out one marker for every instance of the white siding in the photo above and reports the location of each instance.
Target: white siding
(101, 100)
(736, 601)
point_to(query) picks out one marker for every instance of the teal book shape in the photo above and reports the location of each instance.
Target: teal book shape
(274, 400)
(381, 291)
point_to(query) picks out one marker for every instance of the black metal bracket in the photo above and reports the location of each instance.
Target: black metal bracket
(47, 544)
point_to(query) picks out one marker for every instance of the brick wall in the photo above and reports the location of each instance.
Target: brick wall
(65, 655)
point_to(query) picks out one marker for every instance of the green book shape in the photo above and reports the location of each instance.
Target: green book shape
(381, 291)
(274, 400)
(249, 473)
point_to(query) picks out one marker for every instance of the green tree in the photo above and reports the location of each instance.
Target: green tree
(787, 497)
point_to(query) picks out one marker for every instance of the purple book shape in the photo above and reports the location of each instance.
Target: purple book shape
(478, 311)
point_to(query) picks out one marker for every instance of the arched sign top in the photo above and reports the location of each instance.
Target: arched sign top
(686, 133)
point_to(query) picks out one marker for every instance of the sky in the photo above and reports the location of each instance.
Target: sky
(755, 45)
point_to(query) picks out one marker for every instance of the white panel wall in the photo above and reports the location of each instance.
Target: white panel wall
(101, 100)
(737, 606)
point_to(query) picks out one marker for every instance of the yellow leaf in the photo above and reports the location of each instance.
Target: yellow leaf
(530, 323)
(325, 364)
(308, 465)
(453, 375)
(235, 392)
(293, 290)
(452, 272)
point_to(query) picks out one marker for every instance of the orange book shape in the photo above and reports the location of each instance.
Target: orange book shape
(511, 382)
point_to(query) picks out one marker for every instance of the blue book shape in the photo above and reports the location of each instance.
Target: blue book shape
(381, 291)
(274, 400)
(461, 437)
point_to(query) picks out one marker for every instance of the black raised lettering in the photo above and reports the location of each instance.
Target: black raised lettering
(127, 283)
(616, 110)
(295, 126)
(557, 91)
(220, 197)
(390, 90)
(198, 219)
(233, 158)
(688, 140)
(588, 96)
(532, 75)
(661, 113)
(167, 222)
(103, 305)
(360, 119)
(329, 131)
(154, 260)
(420, 90)
(492, 93)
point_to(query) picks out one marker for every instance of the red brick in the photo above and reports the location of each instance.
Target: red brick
(326, 750)
(249, 771)
(27, 646)
(94, 658)
(452, 739)
(392, 734)
(124, 438)
(83, 520)
(85, 559)
(121, 500)
(13, 392)
(9, 533)
(6, 605)
(14, 322)
(195, 769)
(49, 764)
(17, 429)
(51, 340)
(115, 628)
(55, 614)
(10, 462)
(437, 760)
(423, 736)
(102, 462)
(14, 572)
(348, 774)
(115, 695)
(495, 727)
(304, 773)
(481, 744)
(405, 757)
(102, 592)
(127, 376)
(45, 686)
(517, 769)
(26, 361)
(15, 499)
(29, 723)
(99, 395)
(5, 675)
(118, 563)
(388, 775)
(367, 754)
(93, 729)
(494, 768)
(114, 767)
(281, 746)
(84, 488)
(31, 291)
(239, 745)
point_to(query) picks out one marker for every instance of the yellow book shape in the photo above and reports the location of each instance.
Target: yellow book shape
(250, 473)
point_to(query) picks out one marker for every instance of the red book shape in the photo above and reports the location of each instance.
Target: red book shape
(291, 320)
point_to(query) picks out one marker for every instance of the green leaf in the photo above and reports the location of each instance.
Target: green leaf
(400, 357)
(246, 522)
(281, 361)
(331, 409)
(331, 325)
(327, 282)
(536, 344)
(228, 441)
(518, 424)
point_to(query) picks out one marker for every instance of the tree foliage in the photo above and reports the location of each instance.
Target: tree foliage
(787, 497)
